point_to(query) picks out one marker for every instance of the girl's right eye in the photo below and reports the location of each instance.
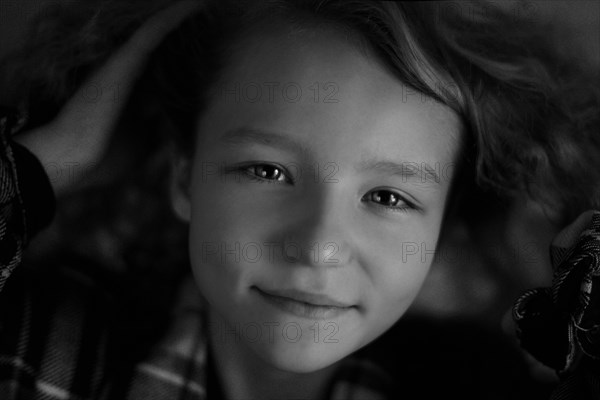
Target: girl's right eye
(265, 173)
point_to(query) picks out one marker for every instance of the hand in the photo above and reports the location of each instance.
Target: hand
(80, 133)
(560, 325)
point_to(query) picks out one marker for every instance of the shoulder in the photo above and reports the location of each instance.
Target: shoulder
(54, 295)
(454, 356)
(54, 328)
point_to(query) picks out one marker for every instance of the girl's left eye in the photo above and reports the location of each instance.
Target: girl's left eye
(389, 200)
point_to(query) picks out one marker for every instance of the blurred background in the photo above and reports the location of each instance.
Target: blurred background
(477, 273)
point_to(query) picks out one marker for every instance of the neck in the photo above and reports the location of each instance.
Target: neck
(245, 375)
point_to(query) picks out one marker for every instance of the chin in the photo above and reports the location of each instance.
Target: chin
(300, 357)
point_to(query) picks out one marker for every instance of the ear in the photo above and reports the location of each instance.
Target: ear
(179, 187)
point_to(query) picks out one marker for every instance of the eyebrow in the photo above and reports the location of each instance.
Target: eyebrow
(245, 135)
(423, 171)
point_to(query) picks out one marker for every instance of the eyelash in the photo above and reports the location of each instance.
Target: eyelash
(244, 170)
(404, 209)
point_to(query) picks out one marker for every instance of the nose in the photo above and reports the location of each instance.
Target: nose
(319, 234)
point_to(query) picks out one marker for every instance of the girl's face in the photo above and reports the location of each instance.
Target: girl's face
(313, 206)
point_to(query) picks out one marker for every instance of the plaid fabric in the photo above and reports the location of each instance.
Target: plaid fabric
(13, 230)
(64, 335)
(560, 325)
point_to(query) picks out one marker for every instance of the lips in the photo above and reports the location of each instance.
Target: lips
(305, 305)
(316, 300)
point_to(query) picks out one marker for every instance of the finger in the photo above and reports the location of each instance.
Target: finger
(94, 108)
(153, 30)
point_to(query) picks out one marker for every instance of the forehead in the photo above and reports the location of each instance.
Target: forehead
(321, 87)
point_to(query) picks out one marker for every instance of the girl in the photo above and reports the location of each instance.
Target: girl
(318, 150)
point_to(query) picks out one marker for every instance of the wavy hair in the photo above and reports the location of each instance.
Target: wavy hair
(531, 114)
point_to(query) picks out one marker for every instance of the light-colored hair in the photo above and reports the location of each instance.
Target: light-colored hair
(531, 115)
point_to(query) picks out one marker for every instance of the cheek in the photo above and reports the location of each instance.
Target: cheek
(397, 267)
(401, 285)
(212, 232)
(402, 273)
(225, 228)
